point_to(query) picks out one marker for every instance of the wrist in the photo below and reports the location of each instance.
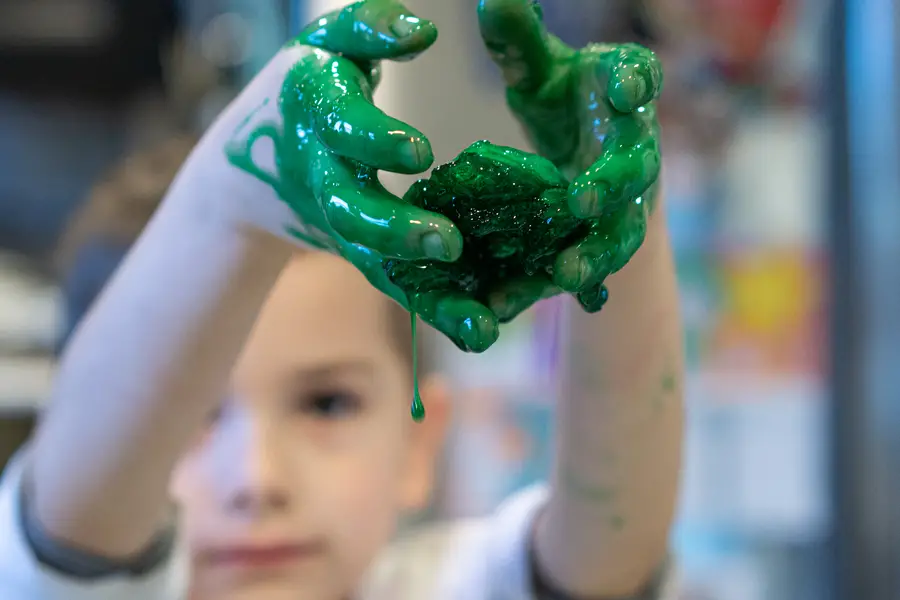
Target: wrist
(211, 195)
(237, 196)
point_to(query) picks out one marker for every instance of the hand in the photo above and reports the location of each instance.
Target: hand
(313, 104)
(591, 112)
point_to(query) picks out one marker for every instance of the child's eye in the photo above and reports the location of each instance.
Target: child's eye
(331, 405)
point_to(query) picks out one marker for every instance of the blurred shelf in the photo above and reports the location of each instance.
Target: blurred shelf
(25, 383)
(756, 457)
(30, 319)
(30, 308)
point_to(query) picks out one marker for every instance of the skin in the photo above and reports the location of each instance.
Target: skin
(329, 141)
(213, 251)
(591, 112)
(156, 356)
(607, 144)
(316, 419)
(618, 457)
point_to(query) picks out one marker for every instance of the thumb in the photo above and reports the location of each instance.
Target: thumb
(515, 36)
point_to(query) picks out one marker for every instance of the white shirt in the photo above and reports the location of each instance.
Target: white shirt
(485, 559)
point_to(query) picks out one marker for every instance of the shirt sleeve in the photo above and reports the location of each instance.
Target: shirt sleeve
(23, 575)
(510, 569)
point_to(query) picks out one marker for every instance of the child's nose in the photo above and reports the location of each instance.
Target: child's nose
(256, 482)
(257, 500)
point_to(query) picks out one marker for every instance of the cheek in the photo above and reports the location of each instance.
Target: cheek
(365, 477)
(191, 490)
(185, 484)
(363, 499)
(189, 479)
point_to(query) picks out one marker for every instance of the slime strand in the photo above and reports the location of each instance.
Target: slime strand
(417, 410)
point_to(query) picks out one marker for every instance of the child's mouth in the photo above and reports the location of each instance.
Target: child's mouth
(262, 556)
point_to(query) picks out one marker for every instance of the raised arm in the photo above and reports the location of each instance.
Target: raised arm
(604, 531)
(153, 357)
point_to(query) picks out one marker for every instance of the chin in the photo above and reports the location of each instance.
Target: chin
(270, 588)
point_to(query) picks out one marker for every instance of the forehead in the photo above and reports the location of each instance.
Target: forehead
(321, 310)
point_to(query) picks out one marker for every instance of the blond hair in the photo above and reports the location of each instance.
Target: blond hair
(120, 205)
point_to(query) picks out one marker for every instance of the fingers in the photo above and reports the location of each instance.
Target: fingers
(583, 267)
(593, 299)
(515, 36)
(371, 30)
(371, 264)
(630, 163)
(336, 95)
(371, 217)
(518, 295)
(468, 323)
(354, 128)
(635, 77)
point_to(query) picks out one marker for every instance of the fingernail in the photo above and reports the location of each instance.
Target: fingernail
(434, 246)
(585, 273)
(415, 155)
(575, 274)
(641, 89)
(587, 201)
(406, 25)
(594, 300)
(631, 89)
(501, 304)
(479, 334)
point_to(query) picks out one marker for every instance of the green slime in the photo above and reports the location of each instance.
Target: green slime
(511, 208)
(330, 141)
(589, 112)
(417, 410)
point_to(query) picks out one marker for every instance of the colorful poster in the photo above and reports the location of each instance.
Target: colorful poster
(770, 319)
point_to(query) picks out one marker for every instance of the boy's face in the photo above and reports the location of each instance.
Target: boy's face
(299, 481)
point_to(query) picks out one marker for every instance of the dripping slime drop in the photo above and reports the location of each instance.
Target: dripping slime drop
(417, 410)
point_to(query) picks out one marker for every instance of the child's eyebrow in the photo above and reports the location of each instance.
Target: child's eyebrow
(335, 369)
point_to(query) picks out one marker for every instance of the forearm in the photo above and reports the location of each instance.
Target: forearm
(144, 371)
(605, 529)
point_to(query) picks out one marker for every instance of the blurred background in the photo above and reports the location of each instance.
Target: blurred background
(781, 144)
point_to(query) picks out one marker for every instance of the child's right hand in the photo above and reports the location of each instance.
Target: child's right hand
(301, 146)
(312, 105)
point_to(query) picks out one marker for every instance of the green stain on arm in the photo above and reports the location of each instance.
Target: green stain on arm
(617, 522)
(669, 383)
(597, 494)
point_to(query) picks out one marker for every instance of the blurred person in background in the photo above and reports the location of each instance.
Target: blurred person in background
(264, 390)
(99, 234)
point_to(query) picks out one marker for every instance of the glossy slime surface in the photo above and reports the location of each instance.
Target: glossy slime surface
(531, 231)
(589, 112)
(417, 410)
(511, 209)
(330, 141)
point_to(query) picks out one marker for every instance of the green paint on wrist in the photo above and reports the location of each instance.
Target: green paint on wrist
(595, 493)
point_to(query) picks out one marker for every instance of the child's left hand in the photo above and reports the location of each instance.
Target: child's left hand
(590, 111)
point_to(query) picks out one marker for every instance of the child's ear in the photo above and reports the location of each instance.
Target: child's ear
(427, 443)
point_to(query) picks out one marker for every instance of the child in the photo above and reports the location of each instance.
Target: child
(268, 391)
